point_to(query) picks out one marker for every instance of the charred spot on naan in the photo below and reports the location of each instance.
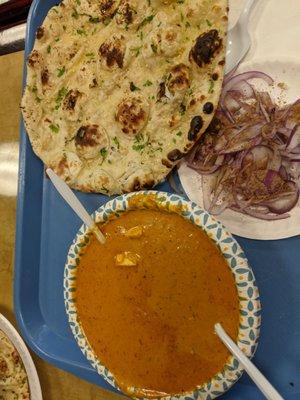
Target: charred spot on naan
(164, 40)
(112, 52)
(161, 92)
(108, 8)
(166, 163)
(71, 99)
(35, 59)
(90, 140)
(170, 41)
(125, 14)
(132, 115)
(45, 76)
(179, 78)
(40, 32)
(68, 167)
(208, 108)
(175, 155)
(174, 84)
(207, 46)
(195, 127)
(139, 184)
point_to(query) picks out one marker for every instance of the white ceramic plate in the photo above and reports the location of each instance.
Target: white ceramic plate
(276, 51)
(17, 341)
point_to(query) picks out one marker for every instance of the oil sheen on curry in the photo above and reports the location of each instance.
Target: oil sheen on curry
(148, 300)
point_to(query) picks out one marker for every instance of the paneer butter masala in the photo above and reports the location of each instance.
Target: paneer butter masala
(148, 300)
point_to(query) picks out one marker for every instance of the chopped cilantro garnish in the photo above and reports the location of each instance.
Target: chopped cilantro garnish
(103, 153)
(182, 109)
(116, 142)
(107, 21)
(148, 83)
(146, 21)
(136, 50)
(187, 24)
(56, 39)
(94, 20)
(211, 86)
(61, 71)
(78, 2)
(48, 49)
(54, 128)
(34, 90)
(154, 48)
(90, 55)
(141, 35)
(179, 133)
(60, 96)
(81, 32)
(208, 23)
(138, 147)
(133, 88)
(139, 143)
(75, 14)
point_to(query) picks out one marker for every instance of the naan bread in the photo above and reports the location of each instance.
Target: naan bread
(13, 378)
(118, 91)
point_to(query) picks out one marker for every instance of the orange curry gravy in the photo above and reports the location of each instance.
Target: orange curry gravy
(152, 324)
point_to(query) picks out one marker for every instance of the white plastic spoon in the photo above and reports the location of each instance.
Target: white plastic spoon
(238, 40)
(67, 194)
(261, 382)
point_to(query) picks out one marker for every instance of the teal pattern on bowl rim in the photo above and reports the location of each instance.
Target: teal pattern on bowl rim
(250, 308)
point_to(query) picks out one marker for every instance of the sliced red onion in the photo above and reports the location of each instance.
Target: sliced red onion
(289, 109)
(260, 153)
(294, 138)
(285, 203)
(242, 140)
(266, 217)
(253, 162)
(283, 173)
(235, 82)
(284, 131)
(269, 178)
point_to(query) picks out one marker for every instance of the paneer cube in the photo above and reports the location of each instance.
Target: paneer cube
(135, 232)
(127, 259)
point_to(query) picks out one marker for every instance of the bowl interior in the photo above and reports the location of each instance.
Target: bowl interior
(249, 303)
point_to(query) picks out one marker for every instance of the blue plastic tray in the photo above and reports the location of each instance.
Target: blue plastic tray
(45, 229)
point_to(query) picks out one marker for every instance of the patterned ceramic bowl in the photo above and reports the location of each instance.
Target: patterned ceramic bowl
(244, 278)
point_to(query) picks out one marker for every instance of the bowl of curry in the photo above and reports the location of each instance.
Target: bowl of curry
(142, 307)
